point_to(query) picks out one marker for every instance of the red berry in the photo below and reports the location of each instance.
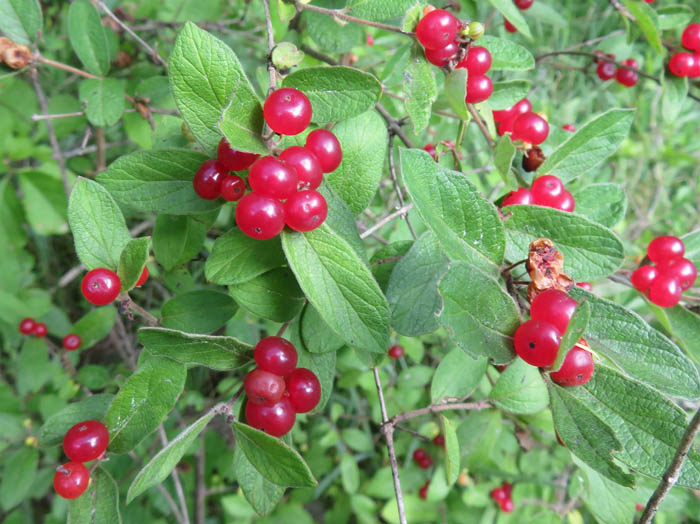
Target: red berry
(681, 268)
(555, 307)
(565, 202)
(271, 177)
(639, 507)
(370, 40)
(86, 441)
(304, 390)
(425, 462)
(477, 61)
(263, 387)
(606, 70)
(276, 355)
(326, 147)
(442, 55)
(234, 160)
(501, 369)
(439, 440)
(498, 494)
(665, 291)
(665, 248)
(423, 491)
(274, 420)
(479, 88)
(40, 330)
(626, 77)
(287, 111)
(306, 164)
(26, 327)
(585, 285)
(547, 190)
(694, 71)
(506, 126)
(537, 342)
(207, 180)
(682, 64)
(144, 276)
(437, 29)
(430, 148)
(232, 188)
(72, 342)
(305, 210)
(523, 4)
(396, 352)
(521, 196)
(509, 27)
(71, 480)
(419, 454)
(577, 368)
(507, 506)
(259, 216)
(531, 128)
(691, 37)
(100, 286)
(571, 128)
(507, 489)
(643, 276)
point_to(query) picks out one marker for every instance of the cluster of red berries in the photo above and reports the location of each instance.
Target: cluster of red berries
(522, 123)
(101, 286)
(502, 496)
(537, 340)
(546, 190)
(84, 442)
(422, 459)
(665, 282)
(684, 63)
(396, 352)
(277, 389)
(29, 326)
(606, 69)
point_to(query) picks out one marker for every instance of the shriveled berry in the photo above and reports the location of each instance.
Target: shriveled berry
(477, 61)
(71, 342)
(271, 177)
(306, 164)
(665, 248)
(263, 387)
(681, 268)
(396, 352)
(643, 276)
(665, 291)
(305, 210)
(531, 128)
(86, 441)
(533, 159)
(521, 196)
(441, 56)
(259, 216)
(40, 330)
(304, 390)
(71, 480)
(276, 355)
(577, 368)
(276, 420)
(232, 188)
(537, 342)
(437, 29)
(326, 147)
(691, 37)
(479, 88)
(555, 307)
(682, 64)
(207, 180)
(100, 286)
(287, 111)
(546, 190)
(606, 70)
(27, 326)
(232, 159)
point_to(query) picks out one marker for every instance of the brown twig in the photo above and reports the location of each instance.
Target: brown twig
(482, 126)
(176, 480)
(200, 483)
(54, 116)
(397, 186)
(437, 408)
(101, 153)
(341, 15)
(399, 212)
(166, 494)
(127, 303)
(394, 125)
(65, 67)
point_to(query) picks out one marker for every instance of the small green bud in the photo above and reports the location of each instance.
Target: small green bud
(476, 30)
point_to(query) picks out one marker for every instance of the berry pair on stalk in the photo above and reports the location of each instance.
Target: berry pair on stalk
(277, 390)
(522, 123)
(546, 190)
(84, 442)
(29, 326)
(665, 282)
(687, 63)
(502, 496)
(607, 70)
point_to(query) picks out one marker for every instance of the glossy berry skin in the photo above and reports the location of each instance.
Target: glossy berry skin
(273, 178)
(71, 481)
(437, 29)
(305, 163)
(571, 128)
(681, 268)
(144, 276)
(576, 370)
(27, 326)
(263, 387)
(479, 88)
(691, 37)
(565, 202)
(519, 108)
(425, 462)
(606, 70)
(441, 56)
(509, 27)
(232, 188)
(430, 149)
(287, 111)
(304, 390)
(531, 128)
(40, 330)
(555, 307)
(694, 71)
(100, 286)
(508, 488)
(682, 64)
(234, 160)
(396, 352)
(643, 276)
(72, 342)
(626, 77)
(439, 440)
(537, 342)
(276, 355)
(207, 180)
(274, 420)
(665, 291)
(507, 506)
(477, 61)
(259, 216)
(305, 210)
(498, 494)
(326, 147)
(419, 455)
(86, 441)
(423, 491)
(546, 190)
(665, 248)
(585, 285)
(521, 196)
(523, 4)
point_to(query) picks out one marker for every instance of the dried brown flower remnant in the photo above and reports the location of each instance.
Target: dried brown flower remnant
(17, 56)
(5, 43)
(533, 159)
(545, 264)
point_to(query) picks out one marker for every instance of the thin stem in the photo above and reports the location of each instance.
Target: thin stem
(65, 67)
(340, 14)
(283, 328)
(166, 494)
(176, 480)
(399, 212)
(54, 116)
(482, 126)
(461, 406)
(131, 305)
(200, 484)
(397, 186)
(101, 153)
(394, 126)
(270, 46)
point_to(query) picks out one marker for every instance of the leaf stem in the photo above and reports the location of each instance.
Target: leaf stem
(65, 67)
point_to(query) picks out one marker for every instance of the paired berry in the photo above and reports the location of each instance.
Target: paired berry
(437, 29)
(232, 159)
(626, 77)
(517, 109)
(684, 64)
(273, 178)
(530, 128)
(306, 164)
(26, 327)
(537, 342)
(259, 216)
(423, 491)
(479, 88)
(263, 387)
(326, 147)
(71, 342)
(305, 210)
(555, 307)
(276, 420)
(571, 128)
(100, 286)
(207, 180)
(232, 188)
(276, 355)
(430, 149)
(144, 276)
(546, 190)
(477, 61)
(606, 70)
(421, 458)
(441, 57)
(40, 330)
(577, 368)
(396, 352)
(86, 441)
(71, 480)
(691, 37)
(304, 390)
(521, 196)
(287, 111)
(502, 496)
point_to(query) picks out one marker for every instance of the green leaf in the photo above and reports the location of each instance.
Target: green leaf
(674, 16)
(548, 14)
(456, 92)
(20, 20)
(648, 21)
(609, 502)
(103, 99)
(262, 494)
(384, 260)
(457, 376)
(236, 258)
(684, 326)
(602, 203)
(419, 89)
(160, 466)
(692, 246)
(143, 402)
(589, 146)
(503, 156)
(415, 377)
(88, 38)
(506, 55)
(340, 286)
(132, 261)
(341, 220)
(158, 181)
(412, 291)
(379, 10)
(45, 202)
(274, 295)
(586, 435)
(357, 439)
(55, 427)
(520, 389)
(99, 504)
(479, 314)
(214, 352)
(212, 92)
(94, 326)
(511, 13)
(675, 90)
(506, 94)
(467, 225)
(363, 140)
(98, 226)
(349, 473)
(315, 333)
(336, 92)
(198, 311)
(275, 460)
(331, 35)
(453, 456)
(637, 349)
(574, 331)
(590, 250)
(177, 240)
(17, 476)
(33, 366)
